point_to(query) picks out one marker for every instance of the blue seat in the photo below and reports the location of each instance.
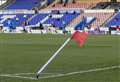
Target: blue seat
(17, 18)
(114, 21)
(24, 4)
(84, 22)
(37, 19)
(63, 21)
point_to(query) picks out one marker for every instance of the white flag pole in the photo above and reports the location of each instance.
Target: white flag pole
(54, 55)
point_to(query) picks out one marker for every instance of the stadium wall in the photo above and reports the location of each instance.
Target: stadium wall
(17, 11)
(100, 11)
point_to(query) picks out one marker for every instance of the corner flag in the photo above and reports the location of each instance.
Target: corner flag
(80, 37)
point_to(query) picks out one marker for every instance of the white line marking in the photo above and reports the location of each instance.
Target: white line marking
(30, 74)
(81, 72)
(22, 74)
(31, 78)
(61, 75)
(33, 73)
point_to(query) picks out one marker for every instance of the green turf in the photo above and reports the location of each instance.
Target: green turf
(26, 53)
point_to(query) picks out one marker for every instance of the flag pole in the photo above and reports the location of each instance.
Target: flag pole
(53, 57)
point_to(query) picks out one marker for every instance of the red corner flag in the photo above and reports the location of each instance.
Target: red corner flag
(79, 37)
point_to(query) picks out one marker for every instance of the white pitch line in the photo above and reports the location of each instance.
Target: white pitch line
(63, 75)
(22, 74)
(22, 77)
(81, 72)
(33, 73)
(31, 78)
(30, 74)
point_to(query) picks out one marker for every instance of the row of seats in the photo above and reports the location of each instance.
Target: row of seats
(56, 20)
(72, 5)
(59, 20)
(24, 4)
(85, 21)
(107, 5)
(100, 19)
(115, 21)
(17, 18)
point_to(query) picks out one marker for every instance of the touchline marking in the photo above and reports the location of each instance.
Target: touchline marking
(13, 76)
(81, 72)
(33, 73)
(29, 74)
(22, 74)
(60, 75)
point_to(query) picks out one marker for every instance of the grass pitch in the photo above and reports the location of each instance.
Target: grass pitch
(26, 53)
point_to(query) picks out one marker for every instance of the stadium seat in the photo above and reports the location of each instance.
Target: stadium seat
(115, 21)
(24, 4)
(53, 19)
(18, 18)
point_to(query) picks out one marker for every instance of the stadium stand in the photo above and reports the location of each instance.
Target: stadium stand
(72, 5)
(70, 14)
(107, 5)
(55, 19)
(22, 4)
(17, 18)
(37, 18)
(27, 4)
(115, 21)
(82, 4)
(100, 19)
(85, 21)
